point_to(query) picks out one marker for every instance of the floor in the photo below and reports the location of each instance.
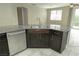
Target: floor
(71, 50)
(74, 37)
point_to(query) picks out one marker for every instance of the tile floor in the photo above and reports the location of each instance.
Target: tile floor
(74, 37)
(71, 50)
(39, 52)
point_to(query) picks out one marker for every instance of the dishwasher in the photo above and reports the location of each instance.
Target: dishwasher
(16, 41)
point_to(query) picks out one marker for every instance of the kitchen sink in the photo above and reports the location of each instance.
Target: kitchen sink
(35, 26)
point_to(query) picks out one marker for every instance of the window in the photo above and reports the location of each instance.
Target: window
(75, 20)
(56, 15)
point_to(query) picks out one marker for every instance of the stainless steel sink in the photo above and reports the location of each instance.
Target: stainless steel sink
(35, 26)
(43, 26)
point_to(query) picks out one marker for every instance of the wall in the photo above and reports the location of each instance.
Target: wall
(65, 16)
(36, 14)
(8, 14)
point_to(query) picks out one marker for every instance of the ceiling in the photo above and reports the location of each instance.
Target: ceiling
(50, 5)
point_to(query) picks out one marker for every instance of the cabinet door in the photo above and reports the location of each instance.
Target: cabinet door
(56, 40)
(38, 38)
(35, 40)
(44, 40)
(55, 43)
(28, 39)
(4, 50)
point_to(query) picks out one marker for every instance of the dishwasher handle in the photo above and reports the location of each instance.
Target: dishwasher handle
(15, 33)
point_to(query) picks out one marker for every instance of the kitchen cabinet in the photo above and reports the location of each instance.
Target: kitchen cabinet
(16, 39)
(4, 50)
(40, 38)
(58, 40)
(37, 38)
(44, 40)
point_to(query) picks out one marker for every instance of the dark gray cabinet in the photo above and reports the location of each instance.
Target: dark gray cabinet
(55, 43)
(44, 40)
(37, 38)
(4, 50)
(58, 40)
(53, 39)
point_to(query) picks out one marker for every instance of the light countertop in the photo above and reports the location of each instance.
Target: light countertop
(7, 29)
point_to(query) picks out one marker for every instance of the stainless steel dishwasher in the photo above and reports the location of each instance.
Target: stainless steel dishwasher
(16, 41)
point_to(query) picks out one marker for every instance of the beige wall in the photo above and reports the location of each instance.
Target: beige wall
(65, 16)
(34, 13)
(8, 14)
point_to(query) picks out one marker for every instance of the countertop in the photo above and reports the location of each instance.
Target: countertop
(7, 29)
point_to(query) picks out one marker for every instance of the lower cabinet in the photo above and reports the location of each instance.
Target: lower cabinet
(12, 43)
(37, 39)
(44, 40)
(58, 40)
(55, 43)
(4, 50)
(53, 39)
